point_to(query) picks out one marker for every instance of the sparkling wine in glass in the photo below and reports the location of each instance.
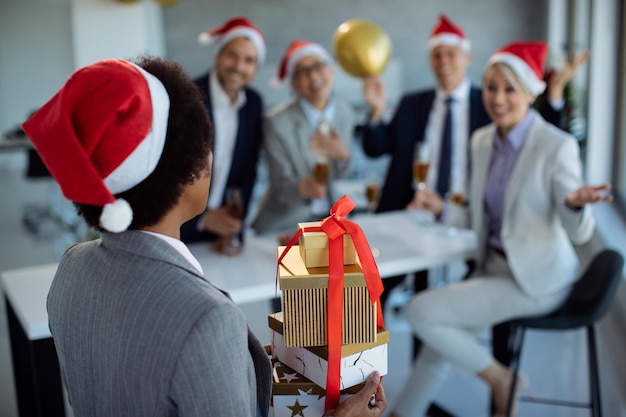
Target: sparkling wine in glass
(372, 192)
(320, 171)
(421, 164)
(232, 245)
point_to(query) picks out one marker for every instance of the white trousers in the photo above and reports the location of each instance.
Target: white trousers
(448, 319)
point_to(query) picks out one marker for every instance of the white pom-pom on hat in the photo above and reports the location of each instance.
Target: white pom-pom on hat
(205, 38)
(116, 216)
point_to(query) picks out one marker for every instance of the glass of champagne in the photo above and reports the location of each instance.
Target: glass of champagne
(320, 170)
(421, 164)
(232, 245)
(372, 192)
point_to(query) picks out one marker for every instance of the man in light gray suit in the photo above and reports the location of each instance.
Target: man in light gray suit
(313, 128)
(139, 330)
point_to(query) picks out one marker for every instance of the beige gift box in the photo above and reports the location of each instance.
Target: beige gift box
(358, 360)
(314, 247)
(305, 302)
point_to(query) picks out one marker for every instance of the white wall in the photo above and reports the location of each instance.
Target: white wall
(35, 55)
(44, 41)
(488, 23)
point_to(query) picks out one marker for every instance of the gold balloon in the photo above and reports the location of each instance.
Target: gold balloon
(166, 2)
(361, 47)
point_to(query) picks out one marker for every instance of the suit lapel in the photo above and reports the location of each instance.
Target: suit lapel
(302, 135)
(483, 148)
(524, 162)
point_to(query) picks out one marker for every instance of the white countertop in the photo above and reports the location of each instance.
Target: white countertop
(401, 242)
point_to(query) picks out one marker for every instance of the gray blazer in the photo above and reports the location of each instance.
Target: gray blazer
(537, 228)
(139, 332)
(287, 150)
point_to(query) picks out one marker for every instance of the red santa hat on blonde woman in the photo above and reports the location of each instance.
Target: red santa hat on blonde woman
(447, 33)
(236, 27)
(527, 60)
(297, 50)
(102, 134)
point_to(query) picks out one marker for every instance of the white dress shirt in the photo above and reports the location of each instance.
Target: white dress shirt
(225, 124)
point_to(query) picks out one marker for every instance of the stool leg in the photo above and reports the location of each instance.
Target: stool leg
(518, 341)
(594, 380)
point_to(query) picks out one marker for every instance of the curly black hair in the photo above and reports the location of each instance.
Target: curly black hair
(185, 153)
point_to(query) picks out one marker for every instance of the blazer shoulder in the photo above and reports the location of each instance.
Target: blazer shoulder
(253, 96)
(343, 105)
(483, 134)
(419, 97)
(550, 135)
(282, 110)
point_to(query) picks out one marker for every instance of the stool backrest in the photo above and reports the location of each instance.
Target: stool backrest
(595, 290)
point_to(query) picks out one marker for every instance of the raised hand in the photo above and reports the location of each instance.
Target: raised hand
(559, 79)
(375, 95)
(589, 194)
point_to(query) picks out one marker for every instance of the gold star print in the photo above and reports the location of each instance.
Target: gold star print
(297, 409)
(289, 377)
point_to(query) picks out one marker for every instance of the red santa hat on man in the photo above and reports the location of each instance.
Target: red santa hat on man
(297, 50)
(102, 134)
(527, 60)
(236, 27)
(447, 33)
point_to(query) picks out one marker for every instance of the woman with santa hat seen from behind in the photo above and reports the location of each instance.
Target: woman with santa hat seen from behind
(139, 330)
(527, 204)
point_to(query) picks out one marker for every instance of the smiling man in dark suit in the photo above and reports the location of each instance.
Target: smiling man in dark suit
(236, 111)
(420, 117)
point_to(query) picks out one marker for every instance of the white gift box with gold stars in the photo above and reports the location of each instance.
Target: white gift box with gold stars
(295, 396)
(358, 360)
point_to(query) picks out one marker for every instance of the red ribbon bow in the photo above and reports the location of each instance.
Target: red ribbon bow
(335, 226)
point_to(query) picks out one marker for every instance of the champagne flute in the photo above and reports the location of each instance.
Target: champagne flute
(320, 170)
(421, 164)
(372, 192)
(232, 245)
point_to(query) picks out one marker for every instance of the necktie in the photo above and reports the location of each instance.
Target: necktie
(445, 153)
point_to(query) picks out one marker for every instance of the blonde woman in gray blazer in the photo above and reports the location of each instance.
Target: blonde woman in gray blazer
(527, 204)
(313, 124)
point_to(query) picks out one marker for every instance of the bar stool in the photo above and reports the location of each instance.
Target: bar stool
(588, 302)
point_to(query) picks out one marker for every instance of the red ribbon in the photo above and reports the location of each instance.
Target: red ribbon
(335, 226)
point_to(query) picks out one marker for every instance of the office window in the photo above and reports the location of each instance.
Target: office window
(619, 174)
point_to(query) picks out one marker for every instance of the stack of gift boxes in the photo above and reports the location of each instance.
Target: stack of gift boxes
(299, 331)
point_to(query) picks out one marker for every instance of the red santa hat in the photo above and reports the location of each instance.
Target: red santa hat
(447, 33)
(236, 27)
(297, 50)
(527, 60)
(102, 134)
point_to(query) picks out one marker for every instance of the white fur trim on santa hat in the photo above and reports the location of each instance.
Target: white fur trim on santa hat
(449, 39)
(523, 71)
(238, 32)
(116, 216)
(142, 161)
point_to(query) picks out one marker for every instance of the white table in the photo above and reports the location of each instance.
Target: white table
(402, 242)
